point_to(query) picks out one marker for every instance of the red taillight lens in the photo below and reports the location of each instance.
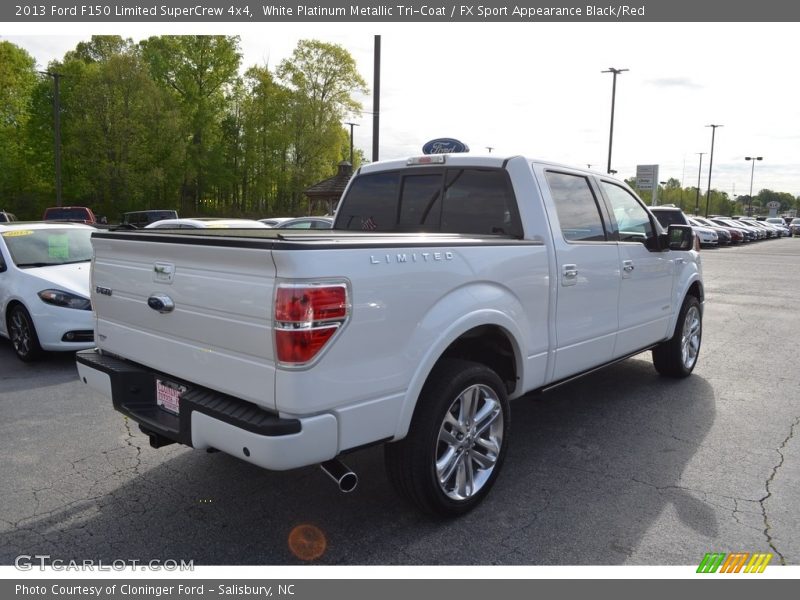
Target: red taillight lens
(295, 304)
(306, 318)
(301, 345)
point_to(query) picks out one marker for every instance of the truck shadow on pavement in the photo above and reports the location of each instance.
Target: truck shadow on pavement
(591, 467)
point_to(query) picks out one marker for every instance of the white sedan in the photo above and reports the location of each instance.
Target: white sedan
(44, 287)
(206, 223)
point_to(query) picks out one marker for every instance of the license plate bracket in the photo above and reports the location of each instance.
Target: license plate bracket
(168, 395)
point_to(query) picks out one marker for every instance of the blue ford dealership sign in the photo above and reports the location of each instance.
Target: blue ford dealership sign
(444, 146)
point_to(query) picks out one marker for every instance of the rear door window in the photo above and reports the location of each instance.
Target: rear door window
(577, 208)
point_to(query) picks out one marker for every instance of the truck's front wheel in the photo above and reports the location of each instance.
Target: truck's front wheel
(457, 440)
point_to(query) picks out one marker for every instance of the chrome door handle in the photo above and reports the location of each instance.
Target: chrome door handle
(569, 275)
(627, 266)
(161, 302)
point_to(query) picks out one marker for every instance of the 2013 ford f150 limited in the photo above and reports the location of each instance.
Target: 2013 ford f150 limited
(449, 285)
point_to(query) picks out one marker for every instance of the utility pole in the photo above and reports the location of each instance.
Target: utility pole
(752, 172)
(613, 100)
(697, 197)
(352, 164)
(376, 98)
(710, 164)
(57, 128)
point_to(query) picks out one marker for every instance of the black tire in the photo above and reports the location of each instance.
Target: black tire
(22, 334)
(677, 356)
(470, 452)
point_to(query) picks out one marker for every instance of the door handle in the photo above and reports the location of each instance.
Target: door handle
(627, 266)
(569, 274)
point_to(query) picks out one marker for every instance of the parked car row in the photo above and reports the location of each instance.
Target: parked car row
(718, 230)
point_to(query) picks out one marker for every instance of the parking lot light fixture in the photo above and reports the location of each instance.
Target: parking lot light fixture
(752, 160)
(613, 99)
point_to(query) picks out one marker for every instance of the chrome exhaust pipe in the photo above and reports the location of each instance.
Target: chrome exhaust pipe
(341, 474)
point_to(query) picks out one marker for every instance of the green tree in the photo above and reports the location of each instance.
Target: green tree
(119, 141)
(266, 142)
(18, 79)
(322, 78)
(200, 71)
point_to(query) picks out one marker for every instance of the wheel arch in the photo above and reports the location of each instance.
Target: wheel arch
(692, 287)
(7, 313)
(490, 338)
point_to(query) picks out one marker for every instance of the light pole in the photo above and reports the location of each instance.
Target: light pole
(753, 160)
(615, 72)
(697, 197)
(351, 141)
(710, 164)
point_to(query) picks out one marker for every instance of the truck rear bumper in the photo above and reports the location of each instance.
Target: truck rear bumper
(208, 419)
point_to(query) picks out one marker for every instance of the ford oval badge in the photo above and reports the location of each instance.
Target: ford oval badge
(444, 146)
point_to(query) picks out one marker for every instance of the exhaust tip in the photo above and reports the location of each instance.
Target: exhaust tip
(341, 474)
(348, 482)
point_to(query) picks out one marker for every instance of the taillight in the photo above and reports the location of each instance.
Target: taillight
(307, 316)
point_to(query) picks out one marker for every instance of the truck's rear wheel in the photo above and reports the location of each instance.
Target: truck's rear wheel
(677, 356)
(457, 440)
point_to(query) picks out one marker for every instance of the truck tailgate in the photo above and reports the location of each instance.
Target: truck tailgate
(217, 334)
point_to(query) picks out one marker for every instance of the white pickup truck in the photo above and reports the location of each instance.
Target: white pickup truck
(449, 285)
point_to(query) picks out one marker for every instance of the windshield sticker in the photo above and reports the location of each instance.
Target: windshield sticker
(58, 246)
(17, 232)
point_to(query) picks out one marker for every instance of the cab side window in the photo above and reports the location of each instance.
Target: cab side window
(576, 205)
(633, 220)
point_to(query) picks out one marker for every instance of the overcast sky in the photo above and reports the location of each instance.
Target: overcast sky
(537, 89)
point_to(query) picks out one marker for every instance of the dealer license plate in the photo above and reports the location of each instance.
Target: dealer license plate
(168, 395)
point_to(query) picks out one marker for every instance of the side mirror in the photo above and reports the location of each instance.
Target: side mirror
(680, 237)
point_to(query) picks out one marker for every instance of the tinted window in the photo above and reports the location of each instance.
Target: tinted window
(633, 220)
(371, 203)
(65, 214)
(478, 201)
(578, 213)
(420, 202)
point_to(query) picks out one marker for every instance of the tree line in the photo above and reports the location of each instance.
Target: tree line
(171, 122)
(693, 201)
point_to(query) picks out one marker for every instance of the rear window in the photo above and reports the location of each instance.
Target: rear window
(452, 200)
(66, 214)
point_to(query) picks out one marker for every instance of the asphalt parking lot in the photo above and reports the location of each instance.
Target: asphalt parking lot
(620, 468)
